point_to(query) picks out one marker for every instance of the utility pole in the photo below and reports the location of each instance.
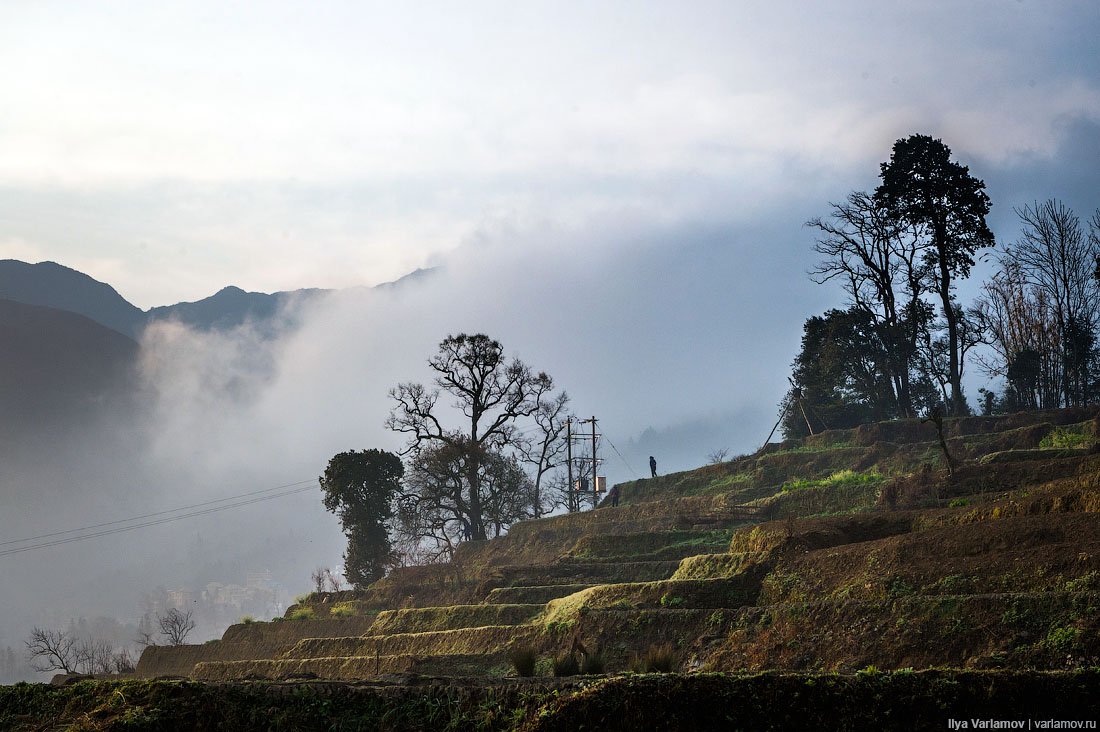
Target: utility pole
(570, 493)
(581, 489)
(595, 480)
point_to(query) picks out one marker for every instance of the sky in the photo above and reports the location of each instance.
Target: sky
(616, 191)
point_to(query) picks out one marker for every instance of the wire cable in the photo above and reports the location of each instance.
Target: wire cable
(156, 513)
(609, 442)
(121, 529)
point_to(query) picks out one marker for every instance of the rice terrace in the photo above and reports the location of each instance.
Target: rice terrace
(436, 389)
(835, 582)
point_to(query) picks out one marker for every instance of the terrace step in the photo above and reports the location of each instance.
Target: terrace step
(351, 668)
(571, 573)
(487, 639)
(455, 617)
(532, 594)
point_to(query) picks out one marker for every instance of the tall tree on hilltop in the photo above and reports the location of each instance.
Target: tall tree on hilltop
(433, 507)
(924, 188)
(877, 260)
(842, 372)
(360, 488)
(490, 391)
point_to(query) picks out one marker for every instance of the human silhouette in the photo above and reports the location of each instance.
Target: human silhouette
(614, 496)
(653, 465)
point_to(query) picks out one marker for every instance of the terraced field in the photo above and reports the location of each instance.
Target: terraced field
(847, 550)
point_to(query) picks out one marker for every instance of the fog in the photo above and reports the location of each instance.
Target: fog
(644, 323)
(675, 329)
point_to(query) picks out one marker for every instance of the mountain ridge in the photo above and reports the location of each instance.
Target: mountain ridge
(53, 285)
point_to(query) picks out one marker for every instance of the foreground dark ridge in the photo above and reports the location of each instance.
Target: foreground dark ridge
(863, 701)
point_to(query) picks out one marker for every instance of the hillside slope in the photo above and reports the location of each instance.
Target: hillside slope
(847, 550)
(59, 370)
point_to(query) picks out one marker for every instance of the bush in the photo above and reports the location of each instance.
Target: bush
(247, 619)
(523, 658)
(657, 659)
(594, 663)
(213, 642)
(302, 613)
(566, 665)
(1064, 437)
(343, 610)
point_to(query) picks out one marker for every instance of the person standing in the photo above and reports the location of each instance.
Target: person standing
(614, 496)
(653, 466)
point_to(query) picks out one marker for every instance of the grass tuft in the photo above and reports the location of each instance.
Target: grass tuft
(658, 658)
(594, 663)
(523, 659)
(566, 664)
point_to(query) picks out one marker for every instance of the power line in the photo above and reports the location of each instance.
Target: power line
(609, 442)
(120, 529)
(157, 513)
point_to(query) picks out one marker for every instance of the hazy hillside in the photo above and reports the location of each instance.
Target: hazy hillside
(58, 368)
(52, 285)
(230, 307)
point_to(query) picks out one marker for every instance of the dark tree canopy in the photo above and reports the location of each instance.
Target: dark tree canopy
(922, 187)
(360, 488)
(489, 390)
(433, 509)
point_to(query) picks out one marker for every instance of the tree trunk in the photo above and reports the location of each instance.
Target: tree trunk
(958, 405)
(477, 526)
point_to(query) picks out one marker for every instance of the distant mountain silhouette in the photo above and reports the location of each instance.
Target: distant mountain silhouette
(48, 284)
(231, 307)
(58, 370)
(52, 285)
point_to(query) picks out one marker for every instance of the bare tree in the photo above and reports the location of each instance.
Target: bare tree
(317, 577)
(1057, 259)
(544, 451)
(95, 657)
(877, 259)
(123, 662)
(57, 650)
(145, 637)
(718, 456)
(489, 391)
(175, 626)
(1018, 323)
(334, 582)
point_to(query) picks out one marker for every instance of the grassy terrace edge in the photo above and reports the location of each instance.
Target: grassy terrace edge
(867, 700)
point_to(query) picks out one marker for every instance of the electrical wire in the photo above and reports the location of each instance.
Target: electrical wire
(609, 442)
(156, 513)
(121, 529)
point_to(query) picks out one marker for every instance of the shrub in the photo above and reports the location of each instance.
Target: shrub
(1088, 583)
(657, 659)
(247, 619)
(1063, 437)
(566, 665)
(213, 642)
(343, 610)
(594, 663)
(302, 613)
(523, 658)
